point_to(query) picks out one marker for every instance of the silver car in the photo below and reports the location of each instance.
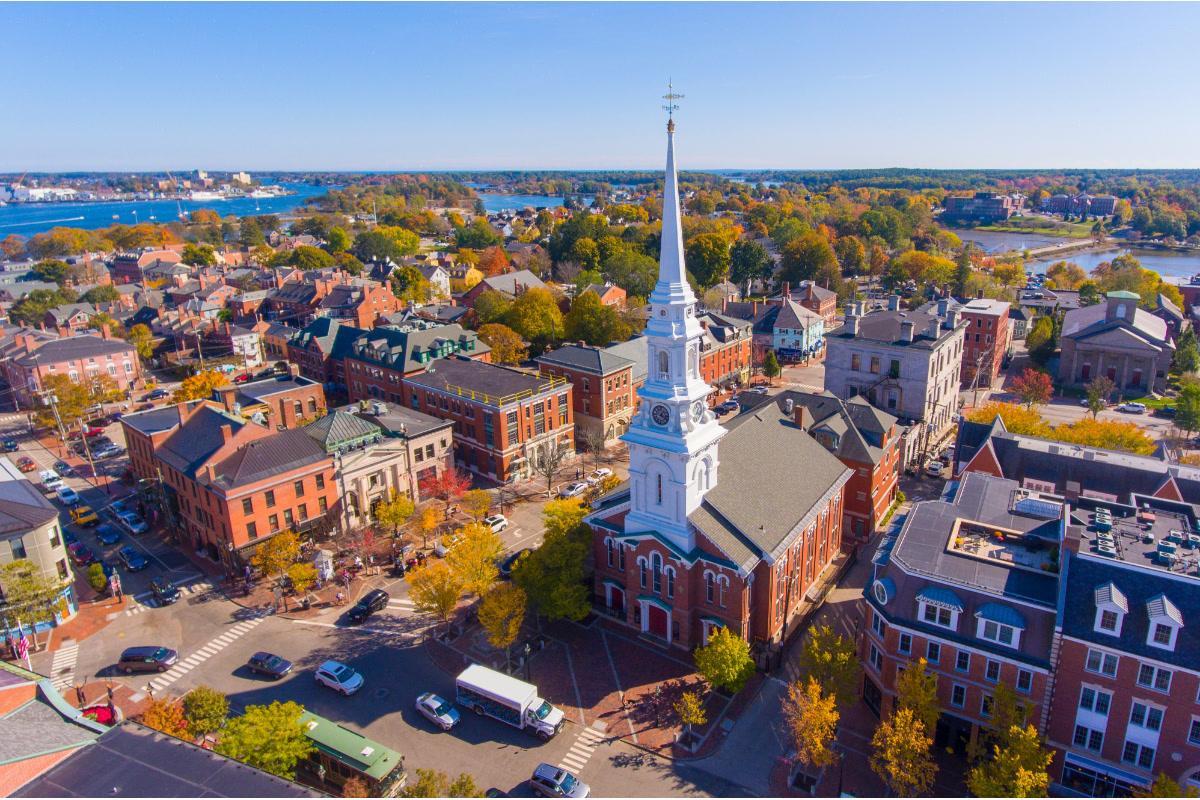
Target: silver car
(438, 711)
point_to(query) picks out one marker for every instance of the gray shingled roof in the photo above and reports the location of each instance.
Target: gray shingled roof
(197, 439)
(495, 381)
(595, 360)
(71, 348)
(23, 507)
(155, 420)
(510, 282)
(399, 348)
(340, 429)
(37, 728)
(633, 350)
(262, 458)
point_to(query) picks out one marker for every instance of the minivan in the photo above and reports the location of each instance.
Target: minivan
(147, 659)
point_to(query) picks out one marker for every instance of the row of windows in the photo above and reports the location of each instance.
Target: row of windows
(962, 661)
(1149, 676)
(289, 518)
(269, 495)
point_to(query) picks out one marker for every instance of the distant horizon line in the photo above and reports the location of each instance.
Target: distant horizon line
(421, 170)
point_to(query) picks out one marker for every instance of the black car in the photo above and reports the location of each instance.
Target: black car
(107, 534)
(506, 565)
(10, 445)
(372, 601)
(147, 659)
(269, 664)
(158, 394)
(165, 592)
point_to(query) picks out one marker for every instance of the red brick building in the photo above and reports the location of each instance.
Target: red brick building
(988, 335)
(378, 360)
(287, 401)
(505, 421)
(30, 357)
(867, 441)
(602, 387)
(360, 303)
(819, 300)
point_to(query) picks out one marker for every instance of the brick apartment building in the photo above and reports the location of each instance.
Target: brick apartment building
(867, 441)
(30, 357)
(602, 388)
(970, 585)
(505, 420)
(360, 303)
(232, 482)
(286, 401)
(985, 341)
(320, 348)
(982, 207)
(378, 360)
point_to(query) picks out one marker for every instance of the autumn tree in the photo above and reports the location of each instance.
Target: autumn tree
(553, 575)
(428, 522)
(1164, 786)
(507, 346)
(725, 661)
(708, 258)
(1034, 387)
(916, 690)
(199, 386)
(1099, 389)
(901, 754)
(270, 738)
(355, 786)
(474, 557)
(477, 503)
(29, 593)
(812, 719)
(205, 710)
(501, 613)
(449, 485)
(690, 711)
(395, 511)
(435, 589)
(589, 320)
(535, 316)
(1009, 273)
(165, 715)
(276, 554)
(142, 340)
(302, 576)
(432, 783)
(1065, 275)
(1106, 434)
(809, 257)
(491, 307)
(1017, 419)
(493, 261)
(832, 660)
(1018, 766)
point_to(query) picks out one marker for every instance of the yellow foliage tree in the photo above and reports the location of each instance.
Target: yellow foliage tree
(901, 754)
(199, 386)
(428, 522)
(916, 690)
(1018, 768)
(166, 715)
(501, 613)
(477, 503)
(276, 554)
(1017, 419)
(1109, 434)
(435, 589)
(473, 559)
(812, 717)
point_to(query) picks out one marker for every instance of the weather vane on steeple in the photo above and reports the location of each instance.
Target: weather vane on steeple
(671, 107)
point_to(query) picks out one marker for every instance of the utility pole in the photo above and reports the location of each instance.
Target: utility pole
(199, 350)
(87, 452)
(51, 399)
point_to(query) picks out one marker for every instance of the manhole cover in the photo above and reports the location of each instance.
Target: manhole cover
(727, 725)
(379, 694)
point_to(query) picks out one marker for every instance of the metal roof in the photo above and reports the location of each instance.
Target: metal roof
(1005, 615)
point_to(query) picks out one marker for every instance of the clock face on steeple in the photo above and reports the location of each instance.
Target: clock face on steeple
(660, 414)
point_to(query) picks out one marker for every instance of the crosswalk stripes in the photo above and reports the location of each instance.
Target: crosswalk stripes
(581, 750)
(201, 655)
(143, 603)
(403, 605)
(62, 669)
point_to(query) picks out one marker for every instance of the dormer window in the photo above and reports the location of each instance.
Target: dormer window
(1000, 624)
(938, 606)
(1111, 608)
(1165, 622)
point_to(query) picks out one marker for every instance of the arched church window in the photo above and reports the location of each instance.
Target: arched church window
(709, 586)
(658, 479)
(608, 545)
(670, 582)
(664, 364)
(656, 572)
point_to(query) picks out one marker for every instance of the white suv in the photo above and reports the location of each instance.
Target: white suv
(497, 522)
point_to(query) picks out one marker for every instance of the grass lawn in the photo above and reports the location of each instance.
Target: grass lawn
(1067, 230)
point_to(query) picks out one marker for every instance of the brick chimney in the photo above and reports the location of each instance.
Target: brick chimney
(104, 331)
(226, 433)
(800, 416)
(787, 290)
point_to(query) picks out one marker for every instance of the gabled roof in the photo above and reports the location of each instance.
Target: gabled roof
(512, 283)
(332, 337)
(1109, 594)
(197, 439)
(72, 348)
(1161, 607)
(339, 430)
(401, 348)
(273, 455)
(594, 360)
(23, 507)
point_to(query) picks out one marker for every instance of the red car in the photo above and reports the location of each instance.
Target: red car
(243, 378)
(81, 554)
(26, 464)
(92, 430)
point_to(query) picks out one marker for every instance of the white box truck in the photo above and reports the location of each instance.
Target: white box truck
(507, 699)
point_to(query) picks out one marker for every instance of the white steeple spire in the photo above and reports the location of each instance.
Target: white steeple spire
(673, 437)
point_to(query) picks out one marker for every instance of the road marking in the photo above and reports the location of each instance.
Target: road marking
(581, 750)
(204, 653)
(62, 668)
(353, 628)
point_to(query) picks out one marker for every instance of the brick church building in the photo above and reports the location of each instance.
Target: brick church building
(716, 526)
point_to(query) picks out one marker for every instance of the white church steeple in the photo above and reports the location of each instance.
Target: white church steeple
(673, 438)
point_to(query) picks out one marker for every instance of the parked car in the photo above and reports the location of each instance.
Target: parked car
(107, 451)
(759, 390)
(269, 664)
(368, 604)
(63, 468)
(133, 558)
(69, 537)
(551, 781)
(81, 554)
(598, 475)
(50, 480)
(147, 659)
(26, 464)
(132, 522)
(165, 592)
(119, 506)
(10, 445)
(934, 469)
(437, 711)
(1132, 408)
(573, 489)
(728, 406)
(66, 495)
(497, 522)
(339, 677)
(83, 515)
(157, 394)
(445, 544)
(243, 378)
(510, 560)
(107, 534)
(1165, 411)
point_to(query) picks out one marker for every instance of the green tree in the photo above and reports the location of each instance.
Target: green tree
(310, 258)
(250, 233)
(501, 613)
(748, 261)
(634, 272)
(1164, 786)
(832, 660)
(101, 294)
(270, 738)
(962, 272)
(395, 512)
(1187, 407)
(851, 255)
(1099, 389)
(689, 708)
(205, 710)
(1187, 355)
(553, 575)
(812, 718)
(507, 346)
(725, 661)
(901, 754)
(51, 271)
(591, 321)
(916, 690)
(809, 257)
(536, 317)
(477, 236)
(409, 284)
(96, 577)
(201, 255)
(708, 258)
(276, 554)
(32, 308)
(1042, 339)
(338, 241)
(1018, 768)
(491, 307)
(771, 367)
(29, 593)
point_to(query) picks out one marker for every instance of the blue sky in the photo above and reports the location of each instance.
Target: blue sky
(431, 86)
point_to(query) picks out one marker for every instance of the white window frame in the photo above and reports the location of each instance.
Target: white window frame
(936, 609)
(981, 631)
(1115, 611)
(1167, 623)
(1102, 655)
(1153, 683)
(954, 688)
